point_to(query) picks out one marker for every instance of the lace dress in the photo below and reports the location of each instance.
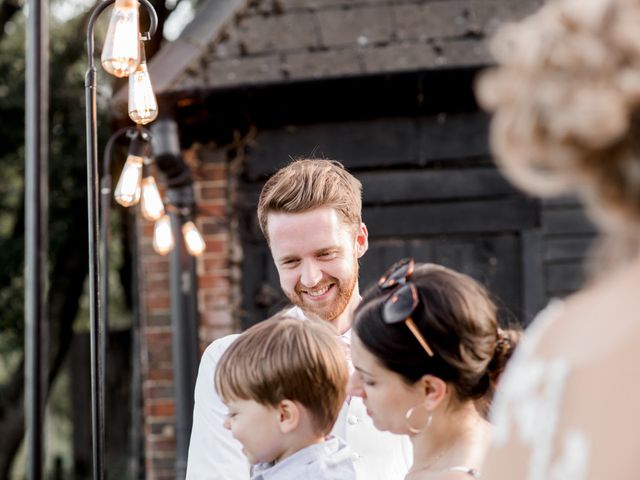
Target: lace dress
(528, 406)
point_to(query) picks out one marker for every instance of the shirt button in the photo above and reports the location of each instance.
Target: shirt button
(355, 456)
(352, 420)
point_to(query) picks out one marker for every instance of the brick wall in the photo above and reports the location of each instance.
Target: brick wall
(215, 294)
(157, 375)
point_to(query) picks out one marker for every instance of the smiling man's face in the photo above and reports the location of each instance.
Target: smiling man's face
(316, 255)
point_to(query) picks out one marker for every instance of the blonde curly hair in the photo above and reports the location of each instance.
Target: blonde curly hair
(565, 97)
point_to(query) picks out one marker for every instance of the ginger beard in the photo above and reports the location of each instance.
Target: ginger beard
(338, 301)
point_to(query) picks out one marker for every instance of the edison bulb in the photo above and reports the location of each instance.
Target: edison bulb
(192, 239)
(151, 202)
(163, 240)
(129, 185)
(120, 54)
(143, 107)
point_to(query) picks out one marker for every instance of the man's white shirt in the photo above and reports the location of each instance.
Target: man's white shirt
(215, 455)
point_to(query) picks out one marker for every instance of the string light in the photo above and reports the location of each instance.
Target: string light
(151, 204)
(129, 185)
(143, 107)
(193, 239)
(120, 54)
(163, 241)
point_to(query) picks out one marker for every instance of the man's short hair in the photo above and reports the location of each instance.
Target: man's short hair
(307, 184)
(284, 358)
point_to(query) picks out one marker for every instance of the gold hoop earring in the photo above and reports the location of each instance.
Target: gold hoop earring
(407, 419)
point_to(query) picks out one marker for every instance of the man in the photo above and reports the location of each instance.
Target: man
(310, 214)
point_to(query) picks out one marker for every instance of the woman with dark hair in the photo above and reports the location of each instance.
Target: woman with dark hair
(427, 351)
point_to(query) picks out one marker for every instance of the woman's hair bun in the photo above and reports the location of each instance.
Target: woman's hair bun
(506, 342)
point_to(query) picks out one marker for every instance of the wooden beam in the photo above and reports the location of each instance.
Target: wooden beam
(405, 186)
(510, 214)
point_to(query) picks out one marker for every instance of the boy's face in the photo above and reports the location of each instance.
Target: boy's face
(316, 255)
(257, 428)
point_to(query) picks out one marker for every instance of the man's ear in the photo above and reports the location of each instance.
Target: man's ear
(435, 391)
(362, 240)
(289, 416)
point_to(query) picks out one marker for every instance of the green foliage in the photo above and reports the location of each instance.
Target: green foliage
(67, 152)
(12, 68)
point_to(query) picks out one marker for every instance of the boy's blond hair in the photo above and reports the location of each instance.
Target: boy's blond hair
(286, 358)
(306, 184)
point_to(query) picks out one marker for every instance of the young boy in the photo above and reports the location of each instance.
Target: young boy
(284, 382)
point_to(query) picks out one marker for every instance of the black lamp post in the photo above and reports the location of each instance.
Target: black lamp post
(97, 321)
(36, 192)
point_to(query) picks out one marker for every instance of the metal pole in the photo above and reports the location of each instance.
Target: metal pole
(135, 449)
(184, 338)
(36, 215)
(105, 209)
(96, 322)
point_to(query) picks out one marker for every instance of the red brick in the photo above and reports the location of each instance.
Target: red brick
(212, 262)
(158, 318)
(158, 390)
(163, 427)
(158, 335)
(156, 264)
(212, 208)
(158, 302)
(219, 332)
(211, 281)
(215, 246)
(164, 474)
(212, 300)
(162, 445)
(216, 318)
(159, 374)
(154, 283)
(162, 408)
(213, 296)
(212, 193)
(146, 228)
(162, 461)
(160, 357)
(213, 171)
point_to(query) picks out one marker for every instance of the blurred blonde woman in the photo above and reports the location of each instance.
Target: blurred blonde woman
(566, 103)
(427, 352)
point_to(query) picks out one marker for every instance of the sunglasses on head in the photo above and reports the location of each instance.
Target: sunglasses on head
(404, 300)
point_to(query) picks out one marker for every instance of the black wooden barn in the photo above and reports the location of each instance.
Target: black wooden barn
(386, 87)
